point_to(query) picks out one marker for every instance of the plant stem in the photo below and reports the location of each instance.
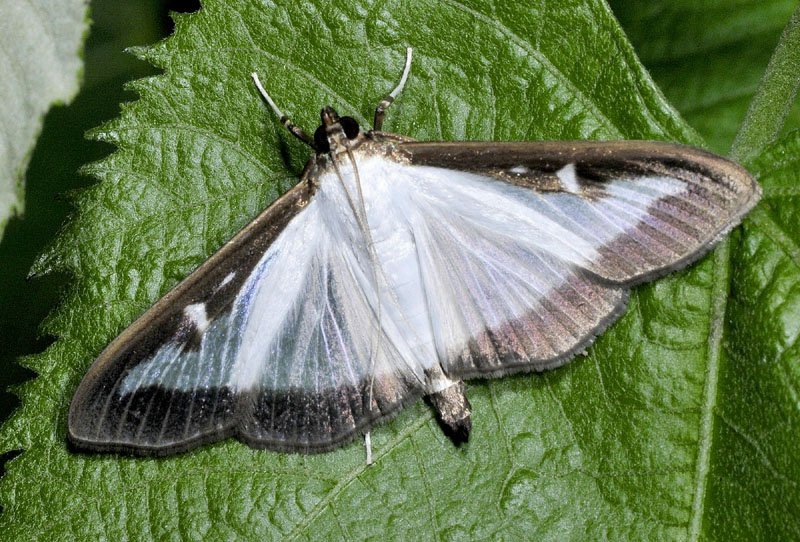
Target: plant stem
(775, 94)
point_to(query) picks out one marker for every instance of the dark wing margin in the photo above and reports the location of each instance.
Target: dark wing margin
(681, 227)
(158, 421)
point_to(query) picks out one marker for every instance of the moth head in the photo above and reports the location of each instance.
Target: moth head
(335, 133)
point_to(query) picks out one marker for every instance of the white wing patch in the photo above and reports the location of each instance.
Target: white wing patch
(490, 277)
(568, 178)
(196, 313)
(461, 255)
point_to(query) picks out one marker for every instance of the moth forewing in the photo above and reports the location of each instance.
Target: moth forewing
(208, 291)
(396, 269)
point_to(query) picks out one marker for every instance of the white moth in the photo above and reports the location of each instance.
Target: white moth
(396, 269)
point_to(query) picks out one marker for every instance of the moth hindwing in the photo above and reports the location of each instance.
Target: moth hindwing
(395, 269)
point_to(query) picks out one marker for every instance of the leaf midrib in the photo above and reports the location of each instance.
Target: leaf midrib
(719, 299)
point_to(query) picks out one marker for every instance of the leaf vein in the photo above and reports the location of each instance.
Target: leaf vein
(719, 292)
(741, 433)
(347, 479)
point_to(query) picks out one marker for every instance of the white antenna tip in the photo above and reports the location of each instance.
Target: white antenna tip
(266, 96)
(403, 78)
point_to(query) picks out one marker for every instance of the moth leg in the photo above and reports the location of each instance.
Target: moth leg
(296, 131)
(380, 111)
(368, 445)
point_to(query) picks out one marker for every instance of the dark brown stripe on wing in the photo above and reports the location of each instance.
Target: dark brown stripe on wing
(677, 230)
(560, 325)
(299, 420)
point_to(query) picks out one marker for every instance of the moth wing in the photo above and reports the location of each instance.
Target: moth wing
(527, 250)
(269, 340)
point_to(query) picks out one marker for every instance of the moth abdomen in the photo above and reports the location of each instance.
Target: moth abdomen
(453, 411)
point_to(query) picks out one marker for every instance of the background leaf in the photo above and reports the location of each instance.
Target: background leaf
(609, 446)
(707, 56)
(755, 475)
(60, 151)
(41, 42)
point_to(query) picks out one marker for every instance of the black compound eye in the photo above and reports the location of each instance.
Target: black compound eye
(350, 127)
(321, 140)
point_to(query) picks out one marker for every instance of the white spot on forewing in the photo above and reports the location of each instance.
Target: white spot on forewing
(196, 313)
(568, 178)
(227, 279)
(520, 170)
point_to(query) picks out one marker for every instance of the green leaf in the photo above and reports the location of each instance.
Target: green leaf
(753, 478)
(41, 44)
(60, 151)
(623, 443)
(707, 56)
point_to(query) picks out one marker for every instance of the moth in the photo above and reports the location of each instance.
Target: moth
(396, 269)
